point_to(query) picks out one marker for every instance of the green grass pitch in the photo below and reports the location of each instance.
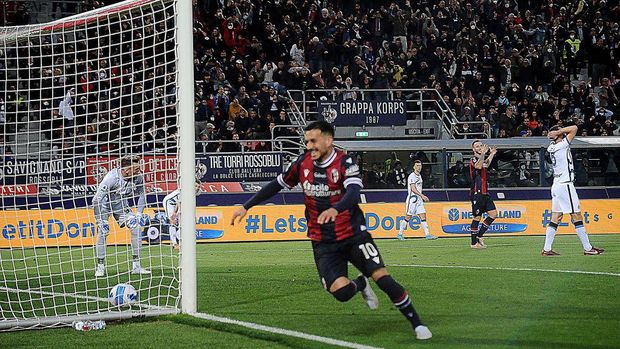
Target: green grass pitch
(512, 301)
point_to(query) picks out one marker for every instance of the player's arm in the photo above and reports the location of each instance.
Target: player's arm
(569, 131)
(480, 160)
(414, 190)
(353, 186)
(141, 204)
(175, 214)
(491, 155)
(103, 190)
(100, 200)
(288, 179)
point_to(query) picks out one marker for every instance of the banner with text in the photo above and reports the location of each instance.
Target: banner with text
(42, 173)
(265, 223)
(364, 113)
(230, 167)
(287, 222)
(160, 172)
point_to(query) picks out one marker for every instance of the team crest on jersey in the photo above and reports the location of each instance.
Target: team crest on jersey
(334, 175)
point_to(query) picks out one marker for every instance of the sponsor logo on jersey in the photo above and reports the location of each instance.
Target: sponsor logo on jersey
(319, 190)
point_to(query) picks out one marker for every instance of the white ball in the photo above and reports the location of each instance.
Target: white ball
(123, 295)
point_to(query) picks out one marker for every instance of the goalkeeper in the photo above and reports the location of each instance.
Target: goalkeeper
(112, 198)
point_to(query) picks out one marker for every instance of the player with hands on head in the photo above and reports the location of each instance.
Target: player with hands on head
(564, 197)
(337, 228)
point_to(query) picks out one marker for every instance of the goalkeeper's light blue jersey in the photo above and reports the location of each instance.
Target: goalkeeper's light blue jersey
(114, 191)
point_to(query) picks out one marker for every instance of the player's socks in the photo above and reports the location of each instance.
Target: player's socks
(583, 236)
(485, 226)
(100, 244)
(403, 225)
(425, 227)
(173, 235)
(400, 298)
(100, 260)
(550, 235)
(136, 240)
(360, 282)
(136, 262)
(474, 232)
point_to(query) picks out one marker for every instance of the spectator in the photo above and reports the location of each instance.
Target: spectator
(457, 177)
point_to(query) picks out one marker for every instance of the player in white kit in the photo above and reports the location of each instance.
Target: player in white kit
(171, 205)
(415, 202)
(112, 199)
(564, 197)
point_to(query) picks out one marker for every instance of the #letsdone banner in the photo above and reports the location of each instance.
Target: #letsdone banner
(287, 222)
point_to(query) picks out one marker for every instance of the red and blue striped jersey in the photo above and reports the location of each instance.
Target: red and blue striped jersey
(324, 184)
(478, 177)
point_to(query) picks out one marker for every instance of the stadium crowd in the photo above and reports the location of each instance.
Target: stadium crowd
(522, 66)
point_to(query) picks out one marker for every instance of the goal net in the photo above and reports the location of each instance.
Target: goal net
(79, 98)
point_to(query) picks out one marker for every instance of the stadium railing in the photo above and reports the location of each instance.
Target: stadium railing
(422, 105)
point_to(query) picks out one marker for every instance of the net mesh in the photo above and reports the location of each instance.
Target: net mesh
(77, 95)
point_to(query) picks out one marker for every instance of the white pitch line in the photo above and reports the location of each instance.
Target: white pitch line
(507, 269)
(282, 331)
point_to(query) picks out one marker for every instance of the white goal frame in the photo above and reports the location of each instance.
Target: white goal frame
(186, 301)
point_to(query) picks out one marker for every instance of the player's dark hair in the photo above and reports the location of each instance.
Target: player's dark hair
(129, 160)
(475, 141)
(325, 127)
(555, 128)
(417, 162)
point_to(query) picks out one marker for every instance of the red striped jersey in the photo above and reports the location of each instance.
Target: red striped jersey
(324, 184)
(478, 177)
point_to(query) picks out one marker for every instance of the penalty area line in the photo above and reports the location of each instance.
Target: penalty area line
(507, 269)
(282, 331)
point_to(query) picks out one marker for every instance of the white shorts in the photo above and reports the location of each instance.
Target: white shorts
(564, 198)
(414, 206)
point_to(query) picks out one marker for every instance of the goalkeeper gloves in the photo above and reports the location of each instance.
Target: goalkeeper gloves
(144, 219)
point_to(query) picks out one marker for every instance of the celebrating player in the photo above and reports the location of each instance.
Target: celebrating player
(564, 197)
(171, 205)
(112, 198)
(415, 202)
(481, 201)
(336, 225)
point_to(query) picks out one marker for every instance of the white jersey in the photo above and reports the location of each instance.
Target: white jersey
(562, 160)
(414, 179)
(170, 202)
(415, 204)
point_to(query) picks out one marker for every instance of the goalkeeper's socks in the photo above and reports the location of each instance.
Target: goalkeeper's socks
(136, 262)
(101, 261)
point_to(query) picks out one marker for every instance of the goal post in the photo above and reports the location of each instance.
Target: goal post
(80, 98)
(187, 157)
